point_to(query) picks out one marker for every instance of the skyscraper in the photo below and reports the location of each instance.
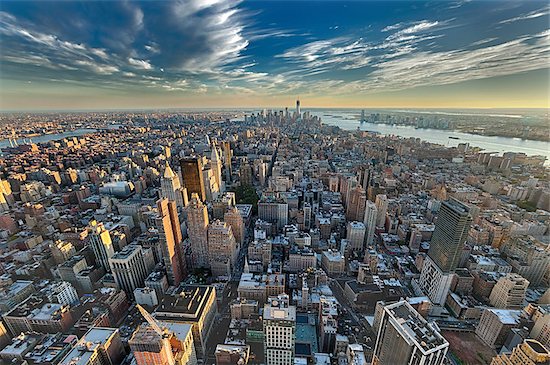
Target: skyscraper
(234, 218)
(356, 235)
(216, 165)
(158, 343)
(370, 222)
(168, 348)
(170, 187)
(197, 229)
(356, 205)
(509, 292)
(170, 236)
(405, 337)
(227, 155)
(298, 110)
(193, 180)
(381, 208)
(128, 268)
(222, 248)
(530, 352)
(279, 331)
(102, 245)
(450, 233)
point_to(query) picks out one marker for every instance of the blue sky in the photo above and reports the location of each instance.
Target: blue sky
(109, 54)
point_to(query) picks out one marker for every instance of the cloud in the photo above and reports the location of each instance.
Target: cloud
(392, 27)
(140, 64)
(97, 68)
(340, 52)
(438, 68)
(196, 35)
(530, 15)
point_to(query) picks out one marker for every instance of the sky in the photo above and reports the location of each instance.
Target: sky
(63, 55)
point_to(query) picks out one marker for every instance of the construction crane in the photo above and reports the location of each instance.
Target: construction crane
(152, 322)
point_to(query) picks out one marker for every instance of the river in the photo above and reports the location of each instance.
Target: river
(51, 137)
(349, 121)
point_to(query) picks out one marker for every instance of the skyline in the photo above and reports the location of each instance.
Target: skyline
(249, 54)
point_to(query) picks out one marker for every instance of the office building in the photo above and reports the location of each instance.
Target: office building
(530, 352)
(381, 203)
(273, 210)
(197, 229)
(170, 240)
(369, 220)
(509, 292)
(64, 293)
(260, 287)
(279, 323)
(528, 257)
(356, 235)
(98, 346)
(194, 305)
(328, 323)
(541, 328)
(356, 204)
(216, 166)
(102, 245)
(227, 155)
(450, 233)
(172, 346)
(333, 262)
(495, 324)
(222, 249)
(128, 268)
(405, 337)
(193, 180)
(234, 218)
(15, 294)
(40, 315)
(171, 189)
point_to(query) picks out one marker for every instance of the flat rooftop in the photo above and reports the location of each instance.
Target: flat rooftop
(414, 328)
(189, 303)
(88, 344)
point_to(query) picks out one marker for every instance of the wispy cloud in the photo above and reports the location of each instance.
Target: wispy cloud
(140, 64)
(531, 15)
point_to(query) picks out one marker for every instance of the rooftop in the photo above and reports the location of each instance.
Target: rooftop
(414, 328)
(189, 303)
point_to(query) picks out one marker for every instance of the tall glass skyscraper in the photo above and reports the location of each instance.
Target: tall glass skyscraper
(451, 231)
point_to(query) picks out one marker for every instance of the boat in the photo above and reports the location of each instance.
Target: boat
(451, 137)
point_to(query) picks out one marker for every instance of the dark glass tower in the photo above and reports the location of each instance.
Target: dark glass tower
(451, 231)
(191, 170)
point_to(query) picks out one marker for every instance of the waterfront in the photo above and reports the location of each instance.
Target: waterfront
(50, 137)
(349, 120)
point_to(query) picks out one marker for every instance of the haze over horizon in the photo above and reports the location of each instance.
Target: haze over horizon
(107, 55)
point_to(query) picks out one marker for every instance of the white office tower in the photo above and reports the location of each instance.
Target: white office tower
(371, 213)
(102, 245)
(171, 189)
(356, 235)
(382, 208)
(129, 269)
(216, 165)
(404, 337)
(279, 331)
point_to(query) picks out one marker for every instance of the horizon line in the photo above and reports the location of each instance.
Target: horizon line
(240, 108)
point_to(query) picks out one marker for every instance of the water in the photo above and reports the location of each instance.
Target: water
(349, 121)
(50, 137)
